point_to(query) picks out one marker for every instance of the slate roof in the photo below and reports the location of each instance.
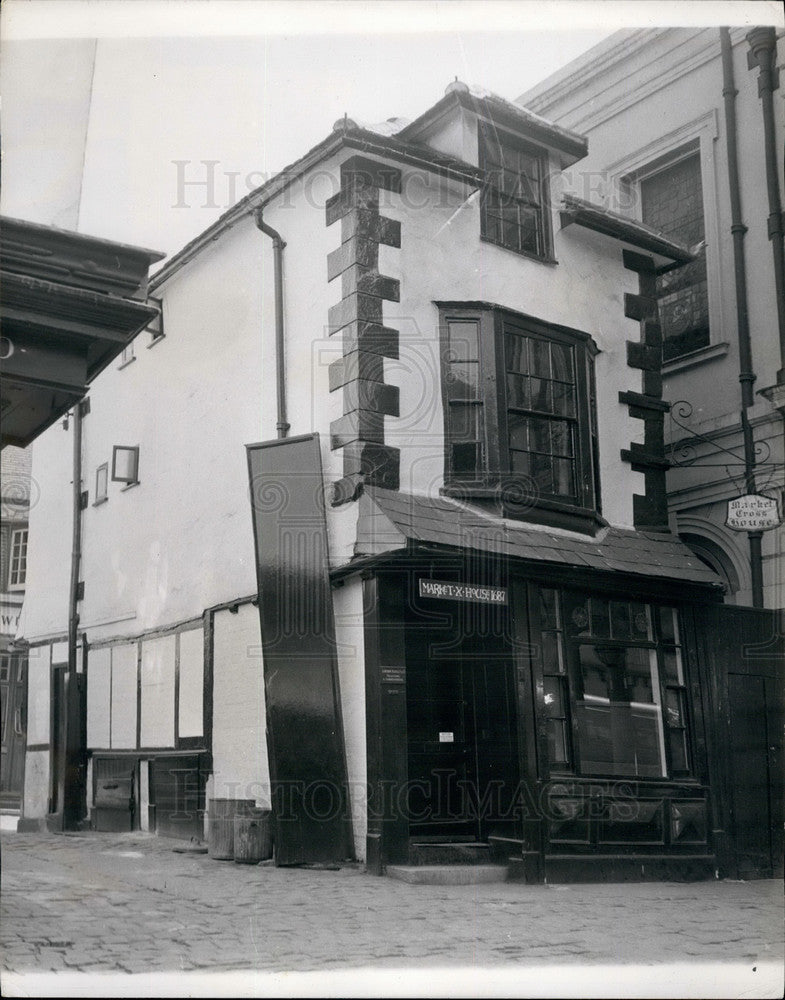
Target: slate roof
(572, 145)
(602, 220)
(388, 519)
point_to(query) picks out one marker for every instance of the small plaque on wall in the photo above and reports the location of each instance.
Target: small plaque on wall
(393, 675)
(463, 592)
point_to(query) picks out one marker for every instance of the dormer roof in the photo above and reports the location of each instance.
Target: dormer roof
(569, 146)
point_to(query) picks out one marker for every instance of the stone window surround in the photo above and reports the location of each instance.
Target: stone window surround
(625, 175)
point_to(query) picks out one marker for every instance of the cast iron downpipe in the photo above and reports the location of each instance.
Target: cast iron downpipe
(763, 54)
(76, 542)
(282, 426)
(746, 373)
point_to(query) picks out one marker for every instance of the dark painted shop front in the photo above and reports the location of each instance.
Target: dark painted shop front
(552, 715)
(562, 727)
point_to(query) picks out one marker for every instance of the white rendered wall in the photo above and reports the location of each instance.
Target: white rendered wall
(99, 698)
(124, 683)
(191, 684)
(349, 617)
(157, 684)
(240, 767)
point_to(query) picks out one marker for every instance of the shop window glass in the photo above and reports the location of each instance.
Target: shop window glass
(613, 670)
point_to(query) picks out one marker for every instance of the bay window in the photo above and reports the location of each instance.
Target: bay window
(519, 414)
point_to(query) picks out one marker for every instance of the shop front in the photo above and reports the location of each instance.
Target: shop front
(547, 713)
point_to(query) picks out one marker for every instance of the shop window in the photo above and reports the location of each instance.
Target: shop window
(672, 203)
(17, 569)
(554, 681)
(514, 201)
(614, 693)
(519, 412)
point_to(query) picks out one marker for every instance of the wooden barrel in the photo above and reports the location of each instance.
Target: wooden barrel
(253, 837)
(220, 826)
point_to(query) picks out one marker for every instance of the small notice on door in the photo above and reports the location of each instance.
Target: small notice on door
(446, 737)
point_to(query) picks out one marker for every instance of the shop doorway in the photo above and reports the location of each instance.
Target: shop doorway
(462, 734)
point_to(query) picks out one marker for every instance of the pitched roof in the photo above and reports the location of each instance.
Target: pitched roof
(571, 145)
(389, 519)
(346, 134)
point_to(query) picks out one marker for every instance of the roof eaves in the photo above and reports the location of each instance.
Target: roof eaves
(571, 144)
(356, 138)
(601, 220)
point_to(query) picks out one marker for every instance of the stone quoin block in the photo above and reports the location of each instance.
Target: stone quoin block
(378, 464)
(365, 222)
(357, 365)
(350, 199)
(371, 337)
(358, 251)
(359, 170)
(358, 307)
(369, 282)
(362, 395)
(359, 425)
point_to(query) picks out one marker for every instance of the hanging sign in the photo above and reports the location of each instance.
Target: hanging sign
(753, 512)
(463, 592)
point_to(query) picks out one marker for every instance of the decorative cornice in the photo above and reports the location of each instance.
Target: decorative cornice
(579, 78)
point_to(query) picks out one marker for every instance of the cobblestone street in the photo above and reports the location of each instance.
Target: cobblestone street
(129, 904)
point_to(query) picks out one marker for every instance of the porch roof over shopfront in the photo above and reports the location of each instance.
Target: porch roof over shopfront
(390, 520)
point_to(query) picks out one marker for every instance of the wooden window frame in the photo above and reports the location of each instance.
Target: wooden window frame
(125, 479)
(573, 684)
(14, 581)
(488, 137)
(494, 478)
(691, 151)
(101, 496)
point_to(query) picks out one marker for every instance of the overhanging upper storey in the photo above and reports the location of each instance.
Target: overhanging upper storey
(70, 305)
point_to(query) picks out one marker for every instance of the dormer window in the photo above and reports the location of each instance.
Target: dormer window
(514, 207)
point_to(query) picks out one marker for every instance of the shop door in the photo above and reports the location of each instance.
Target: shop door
(13, 673)
(462, 740)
